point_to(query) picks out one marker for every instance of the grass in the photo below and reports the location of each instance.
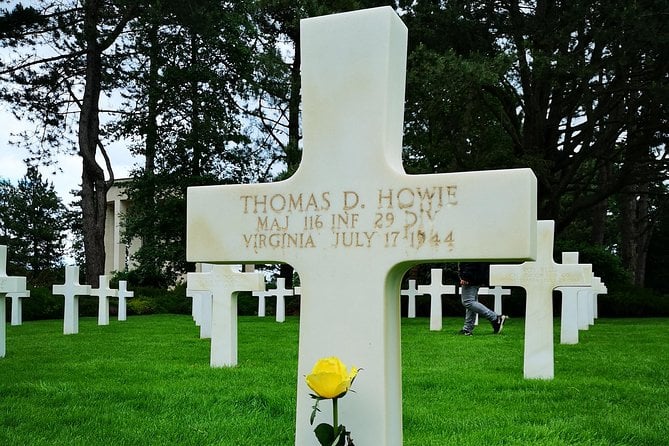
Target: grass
(147, 381)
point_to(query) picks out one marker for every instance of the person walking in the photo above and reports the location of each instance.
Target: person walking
(474, 275)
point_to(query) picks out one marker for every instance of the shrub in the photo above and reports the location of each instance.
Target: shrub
(42, 305)
(631, 301)
(148, 300)
(140, 305)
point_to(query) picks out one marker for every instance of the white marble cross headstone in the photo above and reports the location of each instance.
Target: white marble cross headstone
(569, 310)
(411, 292)
(196, 305)
(262, 295)
(598, 288)
(71, 290)
(104, 292)
(280, 292)
(352, 222)
(204, 300)
(436, 289)
(540, 278)
(123, 294)
(498, 292)
(202, 305)
(8, 284)
(587, 303)
(17, 307)
(584, 308)
(224, 283)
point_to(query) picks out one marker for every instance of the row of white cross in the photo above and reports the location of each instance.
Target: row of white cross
(202, 302)
(215, 290)
(578, 310)
(72, 289)
(15, 288)
(436, 289)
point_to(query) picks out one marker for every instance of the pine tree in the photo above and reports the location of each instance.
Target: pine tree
(33, 219)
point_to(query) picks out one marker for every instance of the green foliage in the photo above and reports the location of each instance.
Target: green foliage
(32, 224)
(158, 218)
(657, 264)
(540, 85)
(605, 264)
(54, 78)
(173, 301)
(141, 306)
(15, 23)
(42, 305)
(150, 300)
(633, 301)
(448, 125)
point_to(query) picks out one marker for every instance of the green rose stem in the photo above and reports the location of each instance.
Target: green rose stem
(335, 416)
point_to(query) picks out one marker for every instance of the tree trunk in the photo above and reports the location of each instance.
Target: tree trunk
(196, 118)
(599, 210)
(293, 153)
(645, 231)
(93, 185)
(635, 231)
(152, 105)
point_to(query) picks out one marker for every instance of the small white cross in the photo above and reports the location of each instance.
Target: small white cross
(123, 294)
(280, 292)
(498, 292)
(436, 289)
(540, 278)
(224, 284)
(569, 312)
(262, 295)
(17, 310)
(411, 292)
(104, 292)
(598, 288)
(71, 290)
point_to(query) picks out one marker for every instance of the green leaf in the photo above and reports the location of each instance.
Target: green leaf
(325, 434)
(340, 436)
(313, 413)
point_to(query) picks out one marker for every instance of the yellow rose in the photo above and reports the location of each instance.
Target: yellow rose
(329, 378)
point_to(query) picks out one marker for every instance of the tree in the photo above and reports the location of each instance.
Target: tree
(7, 191)
(56, 79)
(276, 110)
(188, 69)
(575, 90)
(33, 220)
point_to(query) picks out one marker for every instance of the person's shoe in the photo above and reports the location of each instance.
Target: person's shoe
(498, 324)
(465, 332)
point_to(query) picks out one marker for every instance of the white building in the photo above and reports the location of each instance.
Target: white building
(118, 254)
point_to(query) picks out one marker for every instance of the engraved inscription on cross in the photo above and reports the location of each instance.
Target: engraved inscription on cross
(352, 222)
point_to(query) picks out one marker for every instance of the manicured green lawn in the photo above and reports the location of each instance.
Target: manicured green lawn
(147, 381)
